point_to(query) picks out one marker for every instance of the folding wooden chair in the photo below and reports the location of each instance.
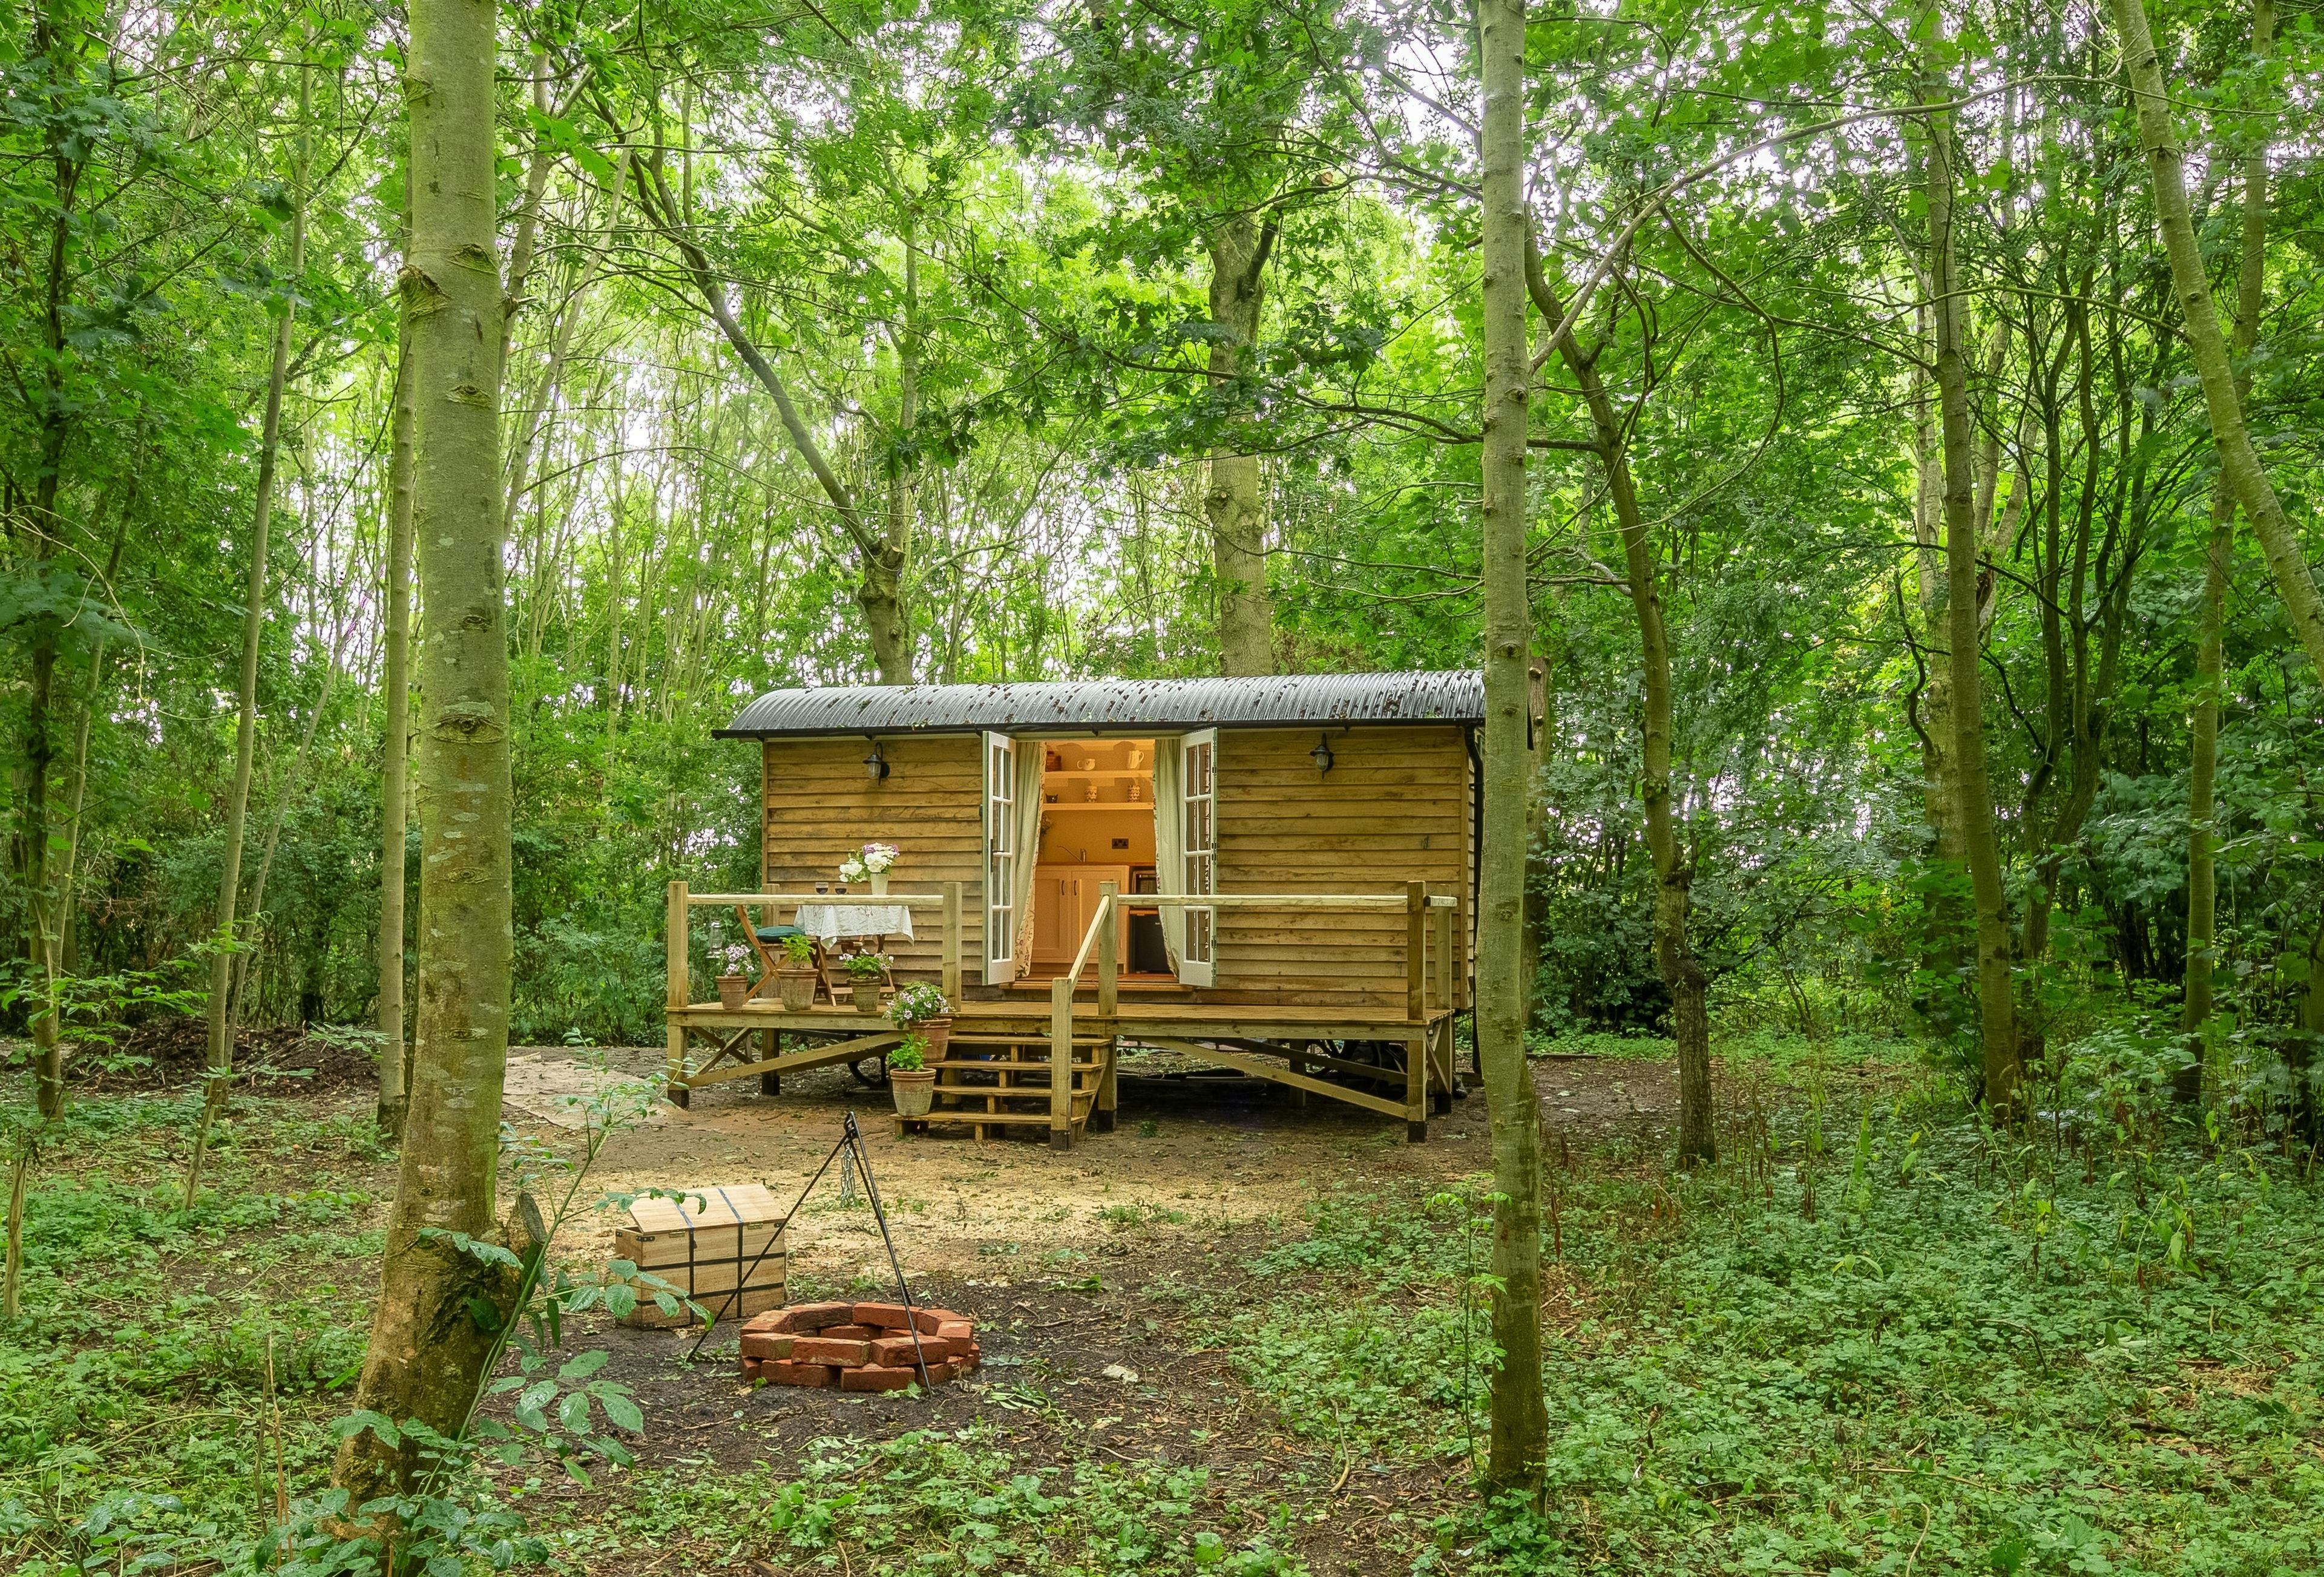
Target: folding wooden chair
(765, 941)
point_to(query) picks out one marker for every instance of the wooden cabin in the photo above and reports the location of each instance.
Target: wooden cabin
(1276, 875)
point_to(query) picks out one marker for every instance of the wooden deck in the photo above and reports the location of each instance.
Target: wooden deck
(1017, 1059)
(1002, 1046)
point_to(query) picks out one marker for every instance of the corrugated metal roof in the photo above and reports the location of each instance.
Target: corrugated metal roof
(1455, 696)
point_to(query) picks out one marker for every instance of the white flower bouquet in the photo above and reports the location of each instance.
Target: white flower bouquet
(872, 860)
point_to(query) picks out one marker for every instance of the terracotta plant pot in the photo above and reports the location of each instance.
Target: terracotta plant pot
(798, 990)
(733, 990)
(938, 1034)
(866, 994)
(914, 1089)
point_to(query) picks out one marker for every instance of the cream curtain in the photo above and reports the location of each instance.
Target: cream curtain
(1026, 839)
(1170, 843)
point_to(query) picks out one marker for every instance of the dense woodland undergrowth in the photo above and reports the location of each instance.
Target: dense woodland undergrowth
(1875, 1328)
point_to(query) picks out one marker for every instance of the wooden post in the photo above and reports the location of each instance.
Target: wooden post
(1445, 1002)
(1415, 951)
(1464, 975)
(1415, 1087)
(1061, 1064)
(1109, 950)
(952, 942)
(1109, 1001)
(771, 1046)
(674, 997)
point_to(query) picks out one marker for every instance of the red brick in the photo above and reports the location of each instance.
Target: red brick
(853, 1331)
(822, 1349)
(783, 1372)
(816, 1316)
(895, 1316)
(766, 1344)
(877, 1378)
(956, 1331)
(901, 1350)
(749, 1371)
(929, 1319)
(974, 1357)
(773, 1320)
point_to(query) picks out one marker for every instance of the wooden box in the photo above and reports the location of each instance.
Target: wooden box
(706, 1246)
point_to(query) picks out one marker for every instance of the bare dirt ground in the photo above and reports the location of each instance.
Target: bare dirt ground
(967, 1209)
(1081, 1304)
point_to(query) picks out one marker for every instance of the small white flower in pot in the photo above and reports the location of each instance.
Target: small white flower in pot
(865, 972)
(734, 985)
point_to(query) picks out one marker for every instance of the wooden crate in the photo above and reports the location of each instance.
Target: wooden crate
(705, 1246)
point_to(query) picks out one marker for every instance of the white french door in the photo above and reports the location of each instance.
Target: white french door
(1001, 856)
(1198, 778)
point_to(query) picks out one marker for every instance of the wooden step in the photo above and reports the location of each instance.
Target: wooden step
(1034, 1041)
(979, 1065)
(992, 1119)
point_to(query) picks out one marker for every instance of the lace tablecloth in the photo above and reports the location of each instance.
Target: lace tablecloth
(831, 921)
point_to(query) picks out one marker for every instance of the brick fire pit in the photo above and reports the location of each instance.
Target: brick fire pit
(856, 1347)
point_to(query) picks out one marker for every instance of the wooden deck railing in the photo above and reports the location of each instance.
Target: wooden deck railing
(1102, 941)
(681, 902)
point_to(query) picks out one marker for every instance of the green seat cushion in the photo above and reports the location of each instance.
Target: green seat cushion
(777, 933)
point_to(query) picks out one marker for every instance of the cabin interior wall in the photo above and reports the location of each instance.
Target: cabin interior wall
(1097, 825)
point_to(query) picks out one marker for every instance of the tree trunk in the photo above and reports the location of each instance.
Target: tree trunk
(2239, 461)
(239, 1009)
(1997, 1013)
(1520, 1420)
(220, 1062)
(427, 1350)
(1240, 247)
(2210, 647)
(880, 593)
(394, 814)
(56, 43)
(1682, 971)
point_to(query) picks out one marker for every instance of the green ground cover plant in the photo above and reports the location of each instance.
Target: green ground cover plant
(1877, 1336)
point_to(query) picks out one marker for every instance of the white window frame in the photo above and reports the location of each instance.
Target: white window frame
(1198, 796)
(999, 755)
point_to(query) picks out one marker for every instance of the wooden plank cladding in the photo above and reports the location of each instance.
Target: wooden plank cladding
(1394, 808)
(822, 805)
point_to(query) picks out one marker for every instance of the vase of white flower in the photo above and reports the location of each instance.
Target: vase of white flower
(870, 864)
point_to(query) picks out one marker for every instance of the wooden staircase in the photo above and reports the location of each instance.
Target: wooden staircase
(992, 1081)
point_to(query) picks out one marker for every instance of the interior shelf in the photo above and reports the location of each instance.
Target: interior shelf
(1077, 775)
(1097, 805)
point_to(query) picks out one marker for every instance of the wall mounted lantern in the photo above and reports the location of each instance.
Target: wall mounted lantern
(875, 765)
(1322, 754)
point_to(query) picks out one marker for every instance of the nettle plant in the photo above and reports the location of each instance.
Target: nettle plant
(560, 1407)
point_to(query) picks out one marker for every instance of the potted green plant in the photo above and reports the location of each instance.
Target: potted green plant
(797, 976)
(864, 972)
(921, 1009)
(734, 985)
(911, 1082)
